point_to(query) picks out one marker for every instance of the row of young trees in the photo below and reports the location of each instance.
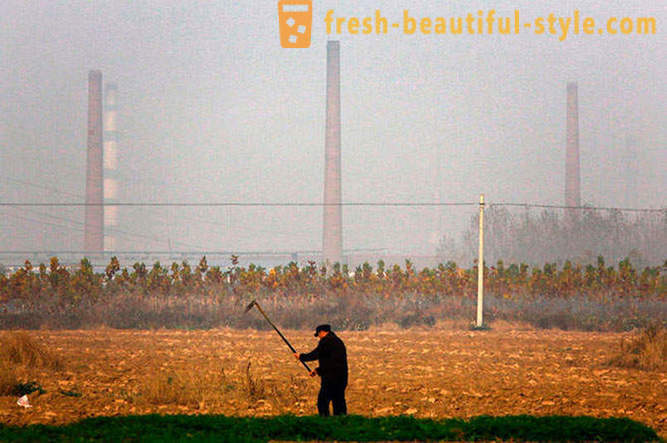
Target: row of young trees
(75, 285)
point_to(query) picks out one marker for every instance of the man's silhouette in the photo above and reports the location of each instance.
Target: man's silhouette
(332, 357)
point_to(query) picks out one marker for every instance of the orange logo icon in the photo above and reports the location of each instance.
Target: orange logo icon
(295, 18)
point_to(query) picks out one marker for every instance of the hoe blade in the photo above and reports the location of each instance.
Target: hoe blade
(249, 307)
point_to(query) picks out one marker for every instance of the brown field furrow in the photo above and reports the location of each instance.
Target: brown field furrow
(442, 372)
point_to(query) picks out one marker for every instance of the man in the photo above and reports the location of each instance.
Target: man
(332, 358)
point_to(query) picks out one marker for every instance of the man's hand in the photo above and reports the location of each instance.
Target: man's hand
(298, 356)
(313, 373)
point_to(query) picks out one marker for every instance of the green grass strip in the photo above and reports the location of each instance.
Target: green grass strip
(348, 428)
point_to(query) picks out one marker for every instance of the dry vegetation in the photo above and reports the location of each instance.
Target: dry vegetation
(19, 348)
(568, 296)
(7, 378)
(444, 371)
(20, 357)
(646, 350)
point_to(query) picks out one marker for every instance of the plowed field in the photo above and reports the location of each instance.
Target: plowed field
(447, 371)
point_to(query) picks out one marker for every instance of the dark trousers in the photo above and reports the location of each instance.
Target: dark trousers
(332, 391)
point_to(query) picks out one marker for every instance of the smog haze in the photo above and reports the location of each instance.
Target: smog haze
(212, 109)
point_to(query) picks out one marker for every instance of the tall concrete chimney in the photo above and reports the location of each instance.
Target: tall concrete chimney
(110, 165)
(93, 242)
(332, 241)
(572, 178)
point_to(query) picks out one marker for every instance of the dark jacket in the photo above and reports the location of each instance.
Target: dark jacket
(332, 357)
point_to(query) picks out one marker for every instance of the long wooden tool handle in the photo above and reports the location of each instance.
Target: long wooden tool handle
(281, 335)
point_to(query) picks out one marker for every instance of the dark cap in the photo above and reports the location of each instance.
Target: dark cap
(326, 328)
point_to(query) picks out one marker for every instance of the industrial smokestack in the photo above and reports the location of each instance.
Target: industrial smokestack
(572, 178)
(332, 241)
(110, 165)
(93, 242)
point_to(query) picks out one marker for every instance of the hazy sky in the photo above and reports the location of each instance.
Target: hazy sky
(212, 109)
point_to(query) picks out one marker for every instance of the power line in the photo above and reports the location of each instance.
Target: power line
(113, 231)
(292, 204)
(54, 190)
(313, 204)
(240, 204)
(59, 191)
(202, 252)
(47, 188)
(597, 208)
(45, 222)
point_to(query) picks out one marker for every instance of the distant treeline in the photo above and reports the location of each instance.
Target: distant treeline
(81, 284)
(522, 235)
(572, 296)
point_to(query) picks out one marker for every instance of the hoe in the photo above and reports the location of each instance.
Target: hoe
(259, 308)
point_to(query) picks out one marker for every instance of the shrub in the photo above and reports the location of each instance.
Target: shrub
(19, 348)
(8, 378)
(175, 388)
(254, 388)
(647, 350)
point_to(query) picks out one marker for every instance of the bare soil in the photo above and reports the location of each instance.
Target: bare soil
(446, 371)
